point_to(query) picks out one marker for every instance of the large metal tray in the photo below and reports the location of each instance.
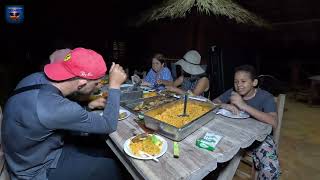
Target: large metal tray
(172, 132)
(131, 104)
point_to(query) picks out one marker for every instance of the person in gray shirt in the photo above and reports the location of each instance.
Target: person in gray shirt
(35, 120)
(260, 104)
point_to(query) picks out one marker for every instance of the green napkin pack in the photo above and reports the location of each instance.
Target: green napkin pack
(208, 141)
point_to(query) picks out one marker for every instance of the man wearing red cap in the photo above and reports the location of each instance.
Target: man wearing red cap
(36, 117)
(41, 78)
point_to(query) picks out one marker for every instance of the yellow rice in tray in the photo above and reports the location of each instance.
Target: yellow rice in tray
(171, 117)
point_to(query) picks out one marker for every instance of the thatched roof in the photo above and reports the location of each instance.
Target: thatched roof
(179, 8)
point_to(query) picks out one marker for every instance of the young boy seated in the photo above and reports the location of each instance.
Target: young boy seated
(260, 104)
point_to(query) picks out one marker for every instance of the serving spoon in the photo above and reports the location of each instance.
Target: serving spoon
(185, 102)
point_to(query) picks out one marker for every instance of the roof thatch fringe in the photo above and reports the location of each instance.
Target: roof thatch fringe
(178, 9)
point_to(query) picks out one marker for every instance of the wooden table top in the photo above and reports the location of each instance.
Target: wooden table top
(193, 163)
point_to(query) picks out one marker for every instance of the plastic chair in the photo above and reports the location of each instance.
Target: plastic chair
(247, 158)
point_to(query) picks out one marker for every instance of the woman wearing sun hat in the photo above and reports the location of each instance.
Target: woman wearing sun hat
(193, 79)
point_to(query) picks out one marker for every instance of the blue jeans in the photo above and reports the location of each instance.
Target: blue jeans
(77, 164)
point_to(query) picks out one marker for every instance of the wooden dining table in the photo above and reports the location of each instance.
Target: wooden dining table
(193, 162)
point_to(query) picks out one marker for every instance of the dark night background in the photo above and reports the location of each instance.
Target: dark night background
(289, 51)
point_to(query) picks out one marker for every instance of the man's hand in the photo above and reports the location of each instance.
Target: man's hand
(116, 76)
(237, 100)
(97, 103)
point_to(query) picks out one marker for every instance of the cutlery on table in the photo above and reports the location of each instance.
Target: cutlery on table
(149, 155)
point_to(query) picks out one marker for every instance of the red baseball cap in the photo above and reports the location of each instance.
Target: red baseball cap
(80, 62)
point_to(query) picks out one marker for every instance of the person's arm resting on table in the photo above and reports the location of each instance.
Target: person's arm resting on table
(268, 116)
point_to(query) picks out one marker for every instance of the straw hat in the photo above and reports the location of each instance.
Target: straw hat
(190, 63)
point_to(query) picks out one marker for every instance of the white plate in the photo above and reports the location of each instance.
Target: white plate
(146, 88)
(120, 111)
(126, 85)
(227, 113)
(127, 149)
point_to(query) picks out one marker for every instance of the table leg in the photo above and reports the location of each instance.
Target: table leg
(229, 171)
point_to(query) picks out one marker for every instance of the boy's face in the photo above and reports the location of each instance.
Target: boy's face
(243, 83)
